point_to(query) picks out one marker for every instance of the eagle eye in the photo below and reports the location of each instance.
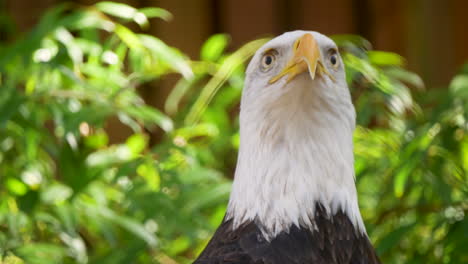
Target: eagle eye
(333, 57)
(268, 59)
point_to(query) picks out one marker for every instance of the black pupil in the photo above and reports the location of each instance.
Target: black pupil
(333, 59)
(268, 60)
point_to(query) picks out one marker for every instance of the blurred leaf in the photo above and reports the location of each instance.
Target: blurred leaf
(42, 253)
(393, 239)
(66, 38)
(9, 104)
(151, 175)
(150, 115)
(214, 47)
(117, 9)
(459, 86)
(56, 193)
(16, 187)
(97, 140)
(128, 37)
(383, 58)
(168, 55)
(29, 201)
(130, 225)
(226, 69)
(406, 76)
(151, 12)
(178, 245)
(177, 93)
(353, 41)
(137, 143)
(87, 20)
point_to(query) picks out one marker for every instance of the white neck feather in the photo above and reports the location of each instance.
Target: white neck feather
(294, 152)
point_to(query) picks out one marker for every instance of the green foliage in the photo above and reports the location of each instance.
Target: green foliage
(70, 193)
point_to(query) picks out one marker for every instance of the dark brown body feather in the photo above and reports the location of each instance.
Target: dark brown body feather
(336, 241)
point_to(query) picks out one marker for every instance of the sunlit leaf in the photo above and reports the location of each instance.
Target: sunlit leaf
(128, 37)
(16, 186)
(137, 143)
(117, 9)
(151, 175)
(214, 47)
(383, 58)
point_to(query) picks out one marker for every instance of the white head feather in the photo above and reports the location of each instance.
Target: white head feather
(296, 145)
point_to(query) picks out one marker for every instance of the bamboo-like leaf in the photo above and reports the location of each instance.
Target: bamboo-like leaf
(382, 58)
(226, 69)
(150, 115)
(214, 47)
(175, 97)
(117, 9)
(168, 55)
(151, 12)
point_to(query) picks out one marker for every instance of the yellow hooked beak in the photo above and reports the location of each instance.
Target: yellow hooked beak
(306, 56)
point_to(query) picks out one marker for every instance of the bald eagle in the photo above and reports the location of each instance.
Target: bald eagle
(294, 198)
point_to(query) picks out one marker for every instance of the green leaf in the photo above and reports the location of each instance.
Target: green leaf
(383, 58)
(178, 91)
(128, 37)
(81, 20)
(117, 9)
(28, 202)
(150, 115)
(393, 238)
(56, 193)
(137, 143)
(459, 86)
(16, 186)
(400, 180)
(129, 224)
(226, 69)
(11, 259)
(347, 40)
(108, 157)
(208, 198)
(127, 12)
(97, 140)
(151, 12)
(149, 172)
(67, 39)
(167, 55)
(214, 47)
(41, 253)
(198, 130)
(406, 76)
(178, 245)
(10, 100)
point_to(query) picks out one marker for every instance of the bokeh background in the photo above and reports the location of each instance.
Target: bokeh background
(119, 129)
(429, 34)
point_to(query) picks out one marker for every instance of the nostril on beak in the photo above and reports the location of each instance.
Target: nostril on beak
(298, 43)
